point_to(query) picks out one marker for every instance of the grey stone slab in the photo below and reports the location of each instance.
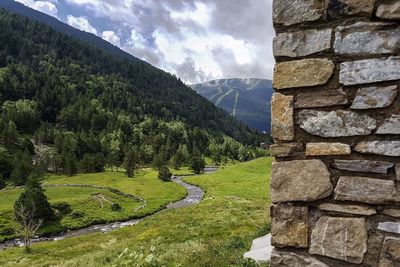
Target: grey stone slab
(291, 259)
(303, 43)
(389, 11)
(366, 190)
(324, 98)
(366, 38)
(289, 12)
(370, 71)
(390, 126)
(390, 227)
(384, 148)
(335, 123)
(363, 165)
(374, 97)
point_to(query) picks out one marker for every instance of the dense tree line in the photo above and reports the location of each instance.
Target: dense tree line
(74, 108)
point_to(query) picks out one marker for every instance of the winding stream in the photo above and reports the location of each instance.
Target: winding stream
(194, 196)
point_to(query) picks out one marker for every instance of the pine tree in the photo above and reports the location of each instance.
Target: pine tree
(22, 168)
(197, 163)
(164, 174)
(70, 167)
(130, 163)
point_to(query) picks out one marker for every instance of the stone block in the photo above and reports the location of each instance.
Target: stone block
(370, 71)
(389, 11)
(366, 38)
(340, 238)
(327, 149)
(289, 226)
(392, 212)
(282, 117)
(363, 165)
(302, 73)
(286, 149)
(366, 190)
(335, 123)
(390, 126)
(390, 255)
(389, 227)
(350, 209)
(300, 180)
(338, 8)
(374, 97)
(324, 98)
(383, 148)
(304, 43)
(281, 258)
(289, 12)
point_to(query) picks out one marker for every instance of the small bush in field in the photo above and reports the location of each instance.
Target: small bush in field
(164, 174)
(115, 207)
(63, 207)
(76, 214)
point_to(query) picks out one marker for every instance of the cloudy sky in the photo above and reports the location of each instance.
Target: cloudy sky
(198, 40)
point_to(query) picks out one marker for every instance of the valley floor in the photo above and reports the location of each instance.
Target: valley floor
(215, 232)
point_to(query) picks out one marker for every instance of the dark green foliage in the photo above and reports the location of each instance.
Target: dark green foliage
(197, 164)
(2, 182)
(92, 163)
(69, 165)
(76, 214)
(33, 198)
(130, 163)
(164, 174)
(115, 207)
(63, 207)
(22, 168)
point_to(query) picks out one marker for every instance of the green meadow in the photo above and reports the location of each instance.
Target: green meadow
(215, 232)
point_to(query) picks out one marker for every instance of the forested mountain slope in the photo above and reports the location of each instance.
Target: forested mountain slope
(247, 100)
(90, 107)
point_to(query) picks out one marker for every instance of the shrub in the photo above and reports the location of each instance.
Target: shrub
(164, 174)
(76, 214)
(115, 207)
(63, 207)
(197, 164)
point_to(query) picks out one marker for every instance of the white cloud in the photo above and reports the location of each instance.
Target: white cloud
(47, 7)
(111, 37)
(81, 23)
(194, 39)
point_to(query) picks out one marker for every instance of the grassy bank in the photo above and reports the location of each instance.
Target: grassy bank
(92, 206)
(215, 232)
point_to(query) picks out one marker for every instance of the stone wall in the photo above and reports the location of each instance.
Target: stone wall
(335, 183)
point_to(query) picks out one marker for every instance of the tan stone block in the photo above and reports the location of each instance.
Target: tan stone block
(282, 117)
(300, 180)
(390, 255)
(340, 238)
(289, 226)
(327, 149)
(302, 73)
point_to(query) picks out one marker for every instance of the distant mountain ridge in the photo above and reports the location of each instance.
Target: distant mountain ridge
(246, 99)
(20, 9)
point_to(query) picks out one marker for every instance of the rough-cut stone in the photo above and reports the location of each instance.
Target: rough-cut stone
(352, 209)
(390, 227)
(340, 238)
(390, 126)
(289, 12)
(366, 38)
(370, 71)
(289, 226)
(300, 180)
(397, 169)
(374, 97)
(384, 148)
(291, 259)
(335, 123)
(363, 165)
(326, 149)
(367, 190)
(389, 11)
(282, 117)
(349, 7)
(299, 44)
(286, 149)
(390, 255)
(302, 73)
(392, 212)
(325, 98)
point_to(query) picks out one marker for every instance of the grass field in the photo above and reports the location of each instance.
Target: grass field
(215, 232)
(91, 210)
